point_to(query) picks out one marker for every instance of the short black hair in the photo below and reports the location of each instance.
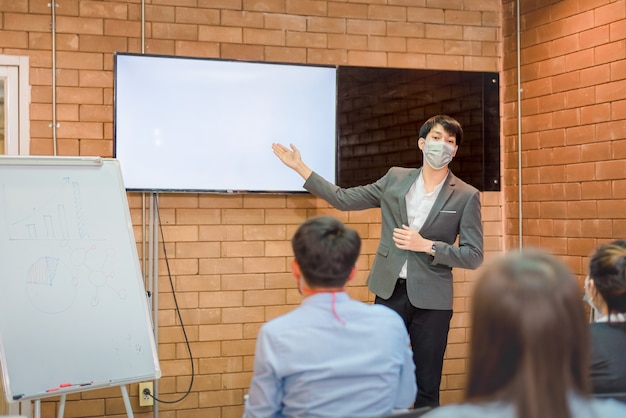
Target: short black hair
(326, 251)
(450, 125)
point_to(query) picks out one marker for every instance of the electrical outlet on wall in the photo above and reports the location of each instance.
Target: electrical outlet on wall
(145, 399)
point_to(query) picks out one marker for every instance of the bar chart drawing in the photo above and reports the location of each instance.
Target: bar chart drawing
(56, 216)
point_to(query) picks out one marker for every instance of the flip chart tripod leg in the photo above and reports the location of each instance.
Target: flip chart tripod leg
(37, 408)
(61, 407)
(129, 409)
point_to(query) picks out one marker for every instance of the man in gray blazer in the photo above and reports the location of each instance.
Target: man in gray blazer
(423, 210)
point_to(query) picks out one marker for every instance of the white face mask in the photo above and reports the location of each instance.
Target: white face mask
(437, 154)
(596, 312)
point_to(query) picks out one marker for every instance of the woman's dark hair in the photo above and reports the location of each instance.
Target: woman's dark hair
(529, 337)
(607, 268)
(326, 251)
(450, 125)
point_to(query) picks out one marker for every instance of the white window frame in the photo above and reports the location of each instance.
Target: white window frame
(14, 75)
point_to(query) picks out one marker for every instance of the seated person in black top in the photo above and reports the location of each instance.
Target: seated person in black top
(605, 291)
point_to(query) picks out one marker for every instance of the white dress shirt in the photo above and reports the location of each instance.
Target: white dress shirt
(418, 206)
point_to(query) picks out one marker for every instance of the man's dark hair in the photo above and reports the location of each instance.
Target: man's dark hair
(326, 251)
(450, 125)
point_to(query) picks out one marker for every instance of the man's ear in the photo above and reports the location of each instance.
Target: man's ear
(420, 143)
(295, 269)
(352, 274)
(592, 288)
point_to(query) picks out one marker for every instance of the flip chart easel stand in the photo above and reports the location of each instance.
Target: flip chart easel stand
(64, 221)
(129, 409)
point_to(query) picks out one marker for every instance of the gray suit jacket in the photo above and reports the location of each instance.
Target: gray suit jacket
(456, 212)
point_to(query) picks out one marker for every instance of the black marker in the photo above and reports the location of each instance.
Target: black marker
(18, 397)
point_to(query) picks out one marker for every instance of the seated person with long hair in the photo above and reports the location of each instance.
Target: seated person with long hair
(529, 345)
(331, 356)
(605, 290)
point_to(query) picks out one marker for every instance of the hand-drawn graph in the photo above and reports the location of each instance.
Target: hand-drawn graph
(57, 216)
(80, 259)
(93, 264)
(50, 286)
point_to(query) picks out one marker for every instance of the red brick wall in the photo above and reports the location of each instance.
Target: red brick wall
(573, 126)
(230, 255)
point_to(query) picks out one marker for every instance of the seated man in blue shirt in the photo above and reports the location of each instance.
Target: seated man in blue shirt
(332, 356)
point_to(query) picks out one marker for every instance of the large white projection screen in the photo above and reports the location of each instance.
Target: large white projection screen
(189, 124)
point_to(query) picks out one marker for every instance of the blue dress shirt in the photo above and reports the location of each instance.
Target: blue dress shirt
(332, 358)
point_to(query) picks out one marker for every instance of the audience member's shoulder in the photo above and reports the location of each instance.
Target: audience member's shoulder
(617, 327)
(489, 410)
(284, 321)
(608, 408)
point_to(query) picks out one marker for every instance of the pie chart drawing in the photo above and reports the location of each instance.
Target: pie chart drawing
(50, 285)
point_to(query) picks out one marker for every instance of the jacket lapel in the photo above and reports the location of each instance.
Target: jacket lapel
(446, 191)
(405, 185)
